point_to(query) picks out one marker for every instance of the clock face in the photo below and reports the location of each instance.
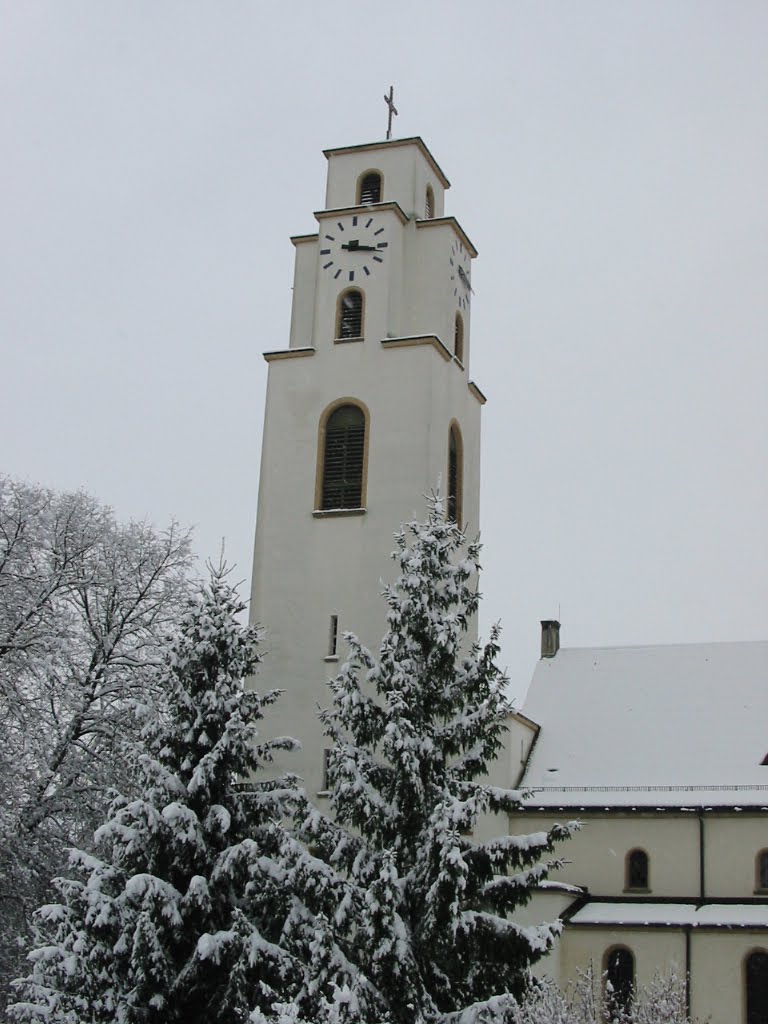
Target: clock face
(459, 261)
(352, 247)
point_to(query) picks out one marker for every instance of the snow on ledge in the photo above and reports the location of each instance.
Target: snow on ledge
(711, 915)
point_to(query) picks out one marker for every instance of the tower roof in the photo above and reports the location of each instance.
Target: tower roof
(415, 140)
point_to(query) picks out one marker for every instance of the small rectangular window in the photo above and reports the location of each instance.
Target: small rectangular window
(333, 636)
(326, 760)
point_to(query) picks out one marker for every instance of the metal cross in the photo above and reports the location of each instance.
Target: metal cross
(389, 100)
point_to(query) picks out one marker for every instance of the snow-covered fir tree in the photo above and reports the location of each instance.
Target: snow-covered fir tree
(413, 733)
(191, 908)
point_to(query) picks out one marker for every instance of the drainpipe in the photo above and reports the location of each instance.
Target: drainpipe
(687, 970)
(702, 860)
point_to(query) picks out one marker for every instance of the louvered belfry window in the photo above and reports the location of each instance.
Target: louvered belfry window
(343, 458)
(429, 205)
(370, 189)
(454, 473)
(458, 338)
(351, 314)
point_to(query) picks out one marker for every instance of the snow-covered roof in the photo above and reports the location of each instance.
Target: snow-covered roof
(710, 915)
(673, 726)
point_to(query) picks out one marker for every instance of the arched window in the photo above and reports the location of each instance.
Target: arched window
(761, 870)
(369, 188)
(343, 458)
(756, 985)
(619, 981)
(458, 337)
(455, 474)
(349, 314)
(636, 874)
(429, 203)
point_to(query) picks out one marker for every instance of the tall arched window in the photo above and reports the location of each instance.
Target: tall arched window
(636, 874)
(756, 985)
(369, 188)
(349, 314)
(619, 981)
(455, 474)
(761, 870)
(458, 337)
(429, 203)
(342, 458)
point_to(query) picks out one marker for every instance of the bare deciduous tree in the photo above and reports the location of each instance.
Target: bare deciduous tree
(84, 604)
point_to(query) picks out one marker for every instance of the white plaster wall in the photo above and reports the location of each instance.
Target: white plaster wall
(429, 302)
(303, 306)
(717, 958)
(596, 853)
(517, 745)
(381, 290)
(717, 973)
(654, 949)
(405, 170)
(732, 842)
(307, 568)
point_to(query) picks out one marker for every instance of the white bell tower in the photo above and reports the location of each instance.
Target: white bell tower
(367, 410)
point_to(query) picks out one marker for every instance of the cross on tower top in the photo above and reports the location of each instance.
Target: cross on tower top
(389, 100)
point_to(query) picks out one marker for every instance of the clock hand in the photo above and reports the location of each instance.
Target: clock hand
(465, 279)
(356, 247)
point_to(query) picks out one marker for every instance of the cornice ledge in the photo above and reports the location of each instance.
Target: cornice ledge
(337, 513)
(343, 211)
(452, 222)
(410, 341)
(289, 353)
(475, 390)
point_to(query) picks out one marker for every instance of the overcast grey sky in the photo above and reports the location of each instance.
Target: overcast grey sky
(609, 161)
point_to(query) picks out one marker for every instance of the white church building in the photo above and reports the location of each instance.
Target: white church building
(662, 752)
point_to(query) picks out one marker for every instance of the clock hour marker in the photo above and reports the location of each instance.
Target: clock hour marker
(382, 245)
(340, 226)
(354, 221)
(324, 252)
(328, 264)
(378, 232)
(351, 275)
(366, 271)
(378, 259)
(336, 274)
(369, 222)
(331, 238)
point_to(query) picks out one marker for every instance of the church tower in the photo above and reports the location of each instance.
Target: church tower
(368, 409)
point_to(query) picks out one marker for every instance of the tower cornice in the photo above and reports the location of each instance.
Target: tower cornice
(343, 211)
(437, 221)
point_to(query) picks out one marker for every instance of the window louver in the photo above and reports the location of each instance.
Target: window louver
(370, 189)
(429, 205)
(454, 508)
(458, 338)
(351, 315)
(343, 460)
(453, 477)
